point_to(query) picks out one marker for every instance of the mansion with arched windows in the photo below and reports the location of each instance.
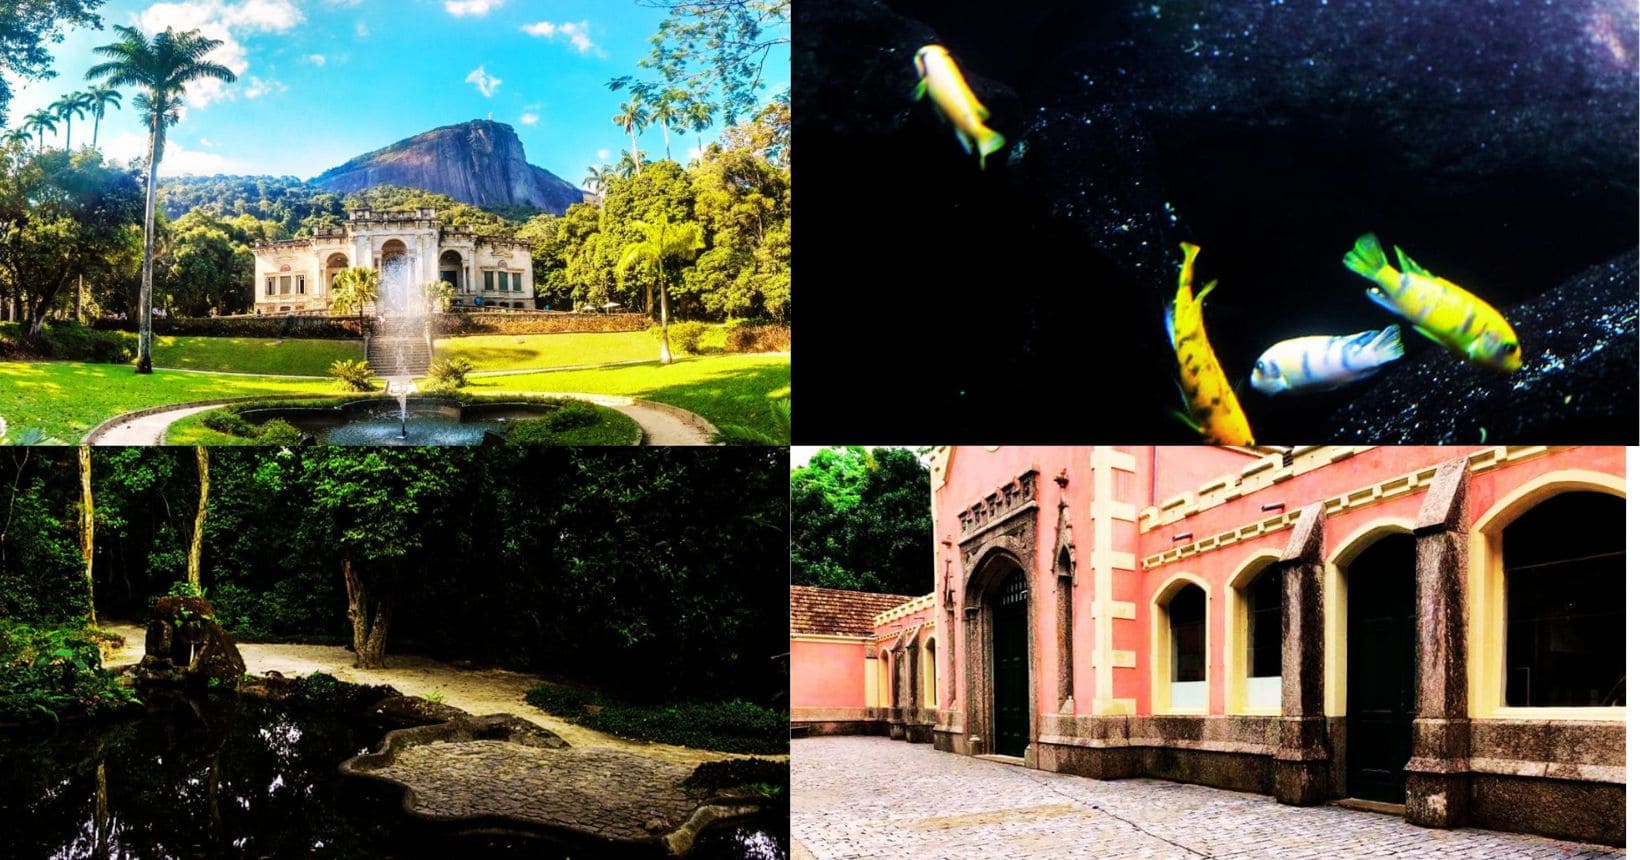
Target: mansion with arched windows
(1438, 629)
(297, 275)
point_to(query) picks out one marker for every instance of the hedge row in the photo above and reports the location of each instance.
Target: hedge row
(273, 326)
(538, 323)
(759, 338)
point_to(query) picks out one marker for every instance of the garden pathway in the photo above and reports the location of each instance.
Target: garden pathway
(662, 425)
(476, 691)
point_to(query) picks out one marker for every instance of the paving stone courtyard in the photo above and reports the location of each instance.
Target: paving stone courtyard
(855, 797)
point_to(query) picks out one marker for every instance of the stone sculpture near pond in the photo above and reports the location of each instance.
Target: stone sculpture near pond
(185, 644)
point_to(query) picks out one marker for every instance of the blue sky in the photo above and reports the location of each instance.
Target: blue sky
(321, 81)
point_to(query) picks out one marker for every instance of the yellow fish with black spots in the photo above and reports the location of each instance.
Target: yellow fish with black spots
(941, 80)
(1214, 410)
(1437, 308)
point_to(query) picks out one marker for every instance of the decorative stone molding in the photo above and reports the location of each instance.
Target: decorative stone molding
(907, 608)
(1005, 502)
(1179, 507)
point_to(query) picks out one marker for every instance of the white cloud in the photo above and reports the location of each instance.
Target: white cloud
(348, 3)
(316, 59)
(177, 160)
(476, 8)
(223, 21)
(205, 141)
(487, 84)
(360, 30)
(603, 155)
(529, 118)
(257, 87)
(573, 32)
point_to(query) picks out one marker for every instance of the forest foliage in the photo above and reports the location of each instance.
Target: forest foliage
(654, 574)
(861, 521)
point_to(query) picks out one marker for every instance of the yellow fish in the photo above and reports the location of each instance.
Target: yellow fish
(1214, 411)
(953, 99)
(1437, 308)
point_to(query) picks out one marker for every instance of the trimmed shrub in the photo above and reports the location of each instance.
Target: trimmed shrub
(68, 341)
(353, 374)
(450, 372)
(685, 336)
(761, 338)
(738, 772)
(562, 701)
(275, 431)
(733, 726)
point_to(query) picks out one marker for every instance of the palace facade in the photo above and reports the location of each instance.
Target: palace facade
(1436, 628)
(298, 275)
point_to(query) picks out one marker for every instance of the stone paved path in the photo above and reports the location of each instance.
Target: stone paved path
(594, 790)
(145, 430)
(879, 798)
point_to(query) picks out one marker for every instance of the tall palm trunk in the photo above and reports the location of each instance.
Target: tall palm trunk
(197, 544)
(145, 303)
(666, 345)
(96, 122)
(636, 164)
(88, 529)
(666, 136)
(68, 133)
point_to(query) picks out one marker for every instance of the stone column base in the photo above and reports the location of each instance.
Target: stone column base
(1302, 782)
(1437, 799)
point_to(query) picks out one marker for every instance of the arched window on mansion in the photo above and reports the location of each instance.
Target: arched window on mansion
(1183, 651)
(1254, 649)
(1563, 581)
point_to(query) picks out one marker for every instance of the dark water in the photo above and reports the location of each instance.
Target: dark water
(240, 778)
(1495, 141)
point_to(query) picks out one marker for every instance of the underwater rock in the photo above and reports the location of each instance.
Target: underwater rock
(184, 643)
(1577, 383)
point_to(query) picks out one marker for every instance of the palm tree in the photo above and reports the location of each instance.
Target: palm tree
(628, 167)
(699, 116)
(663, 242)
(42, 121)
(598, 176)
(355, 287)
(632, 119)
(68, 107)
(19, 135)
(101, 98)
(161, 68)
(669, 110)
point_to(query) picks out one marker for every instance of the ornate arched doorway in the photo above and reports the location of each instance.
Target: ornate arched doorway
(1000, 700)
(449, 271)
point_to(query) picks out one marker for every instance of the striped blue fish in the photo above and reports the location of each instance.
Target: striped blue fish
(1321, 363)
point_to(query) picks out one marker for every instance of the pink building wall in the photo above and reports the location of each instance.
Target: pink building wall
(828, 674)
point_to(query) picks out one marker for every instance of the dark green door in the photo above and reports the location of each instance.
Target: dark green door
(1010, 667)
(1378, 729)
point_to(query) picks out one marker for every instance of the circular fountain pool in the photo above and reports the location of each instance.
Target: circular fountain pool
(422, 421)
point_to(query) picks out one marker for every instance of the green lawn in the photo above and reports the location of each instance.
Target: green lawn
(524, 351)
(253, 354)
(724, 389)
(67, 398)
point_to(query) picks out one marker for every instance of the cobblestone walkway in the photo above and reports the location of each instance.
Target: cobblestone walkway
(878, 798)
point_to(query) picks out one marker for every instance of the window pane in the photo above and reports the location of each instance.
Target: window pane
(1563, 568)
(1187, 618)
(518, 282)
(270, 286)
(301, 283)
(284, 285)
(1264, 625)
(489, 281)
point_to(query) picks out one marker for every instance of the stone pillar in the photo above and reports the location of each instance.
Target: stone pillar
(1302, 770)
(1438, 774)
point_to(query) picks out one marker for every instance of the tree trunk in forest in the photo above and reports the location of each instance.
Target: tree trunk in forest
(88, 533)
(369, 628)
(198, 542)
(104, 825)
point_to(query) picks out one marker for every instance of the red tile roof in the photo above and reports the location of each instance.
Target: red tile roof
(834, 612)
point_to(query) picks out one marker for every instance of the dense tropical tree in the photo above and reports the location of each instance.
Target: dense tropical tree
(196, 542)
(861, 521)
(27, 27)
(19, 136)
(42, 121)
(717, 47)
(632, 119)
(663, 243)
(698, 114)
(667, 110)
(101, 98)
(71, 105)
(161, 68)
(597, 178)
(88, 533)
